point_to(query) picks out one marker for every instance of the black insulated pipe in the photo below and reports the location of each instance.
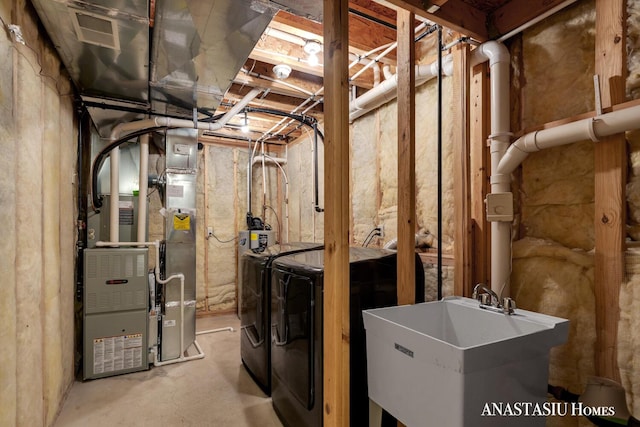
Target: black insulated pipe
(97, 164)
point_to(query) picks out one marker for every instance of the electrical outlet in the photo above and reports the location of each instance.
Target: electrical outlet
(381, 230)
(209, 231)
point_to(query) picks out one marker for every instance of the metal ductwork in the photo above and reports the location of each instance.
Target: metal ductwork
(198, 49)
(183, 66)
(311, 9)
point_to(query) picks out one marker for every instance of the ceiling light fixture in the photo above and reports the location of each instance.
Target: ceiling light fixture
(313, 48)
(282, 71)
(245, 124)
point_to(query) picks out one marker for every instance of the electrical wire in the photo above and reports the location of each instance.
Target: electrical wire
(97, 164)
(277, 220)
(221, 241)
(373, 233)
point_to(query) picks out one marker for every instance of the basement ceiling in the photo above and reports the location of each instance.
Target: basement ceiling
(205, 55)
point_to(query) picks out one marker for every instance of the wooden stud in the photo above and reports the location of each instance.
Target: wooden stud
(479, 165)
(336, 227)
(610, 180)
(406, 158)
(456, 15)
(462, 210)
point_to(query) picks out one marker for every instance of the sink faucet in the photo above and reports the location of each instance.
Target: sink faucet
(489, 299)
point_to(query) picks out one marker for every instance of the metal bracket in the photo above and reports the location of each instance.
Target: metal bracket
(596, 88)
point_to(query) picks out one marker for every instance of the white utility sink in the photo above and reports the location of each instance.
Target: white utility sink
(439, 363)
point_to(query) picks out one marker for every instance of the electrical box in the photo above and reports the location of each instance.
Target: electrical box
(115, 311)
(499, 207)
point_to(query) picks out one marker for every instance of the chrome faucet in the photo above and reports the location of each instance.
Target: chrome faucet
(490, 300)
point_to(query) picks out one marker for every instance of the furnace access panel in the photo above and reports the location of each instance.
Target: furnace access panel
(115, 311)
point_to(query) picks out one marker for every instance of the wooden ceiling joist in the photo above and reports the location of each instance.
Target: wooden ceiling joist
(514, 14)
(456, 15)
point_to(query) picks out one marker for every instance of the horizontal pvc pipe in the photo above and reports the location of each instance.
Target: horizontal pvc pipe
(183, 123)
(587, 129)
(387, 90)
(267, 158)
(213, 331)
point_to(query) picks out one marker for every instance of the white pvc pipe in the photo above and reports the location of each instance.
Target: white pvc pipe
(142, 187)
(387, 90)
(498, 57)
(376, 75)
(117, 131)
(384, 53)
(183, 123)
(268, 158)
(213, 331)
(279, 81)
(386, 70)
(114, 207)
(279, 161)
(588, 129)
(537, 19)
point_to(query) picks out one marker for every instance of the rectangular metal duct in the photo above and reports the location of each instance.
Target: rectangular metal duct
(199, 48)
(103, 44)
(311, 9)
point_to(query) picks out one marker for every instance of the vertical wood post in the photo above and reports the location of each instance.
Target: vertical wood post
(336, 228)
(479, 164)
(406, 157)
(461, 174)
(610, 180)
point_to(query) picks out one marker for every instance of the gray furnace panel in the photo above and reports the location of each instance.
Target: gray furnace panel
(115, 311)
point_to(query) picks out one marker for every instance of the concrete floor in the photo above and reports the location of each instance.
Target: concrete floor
(214, 391)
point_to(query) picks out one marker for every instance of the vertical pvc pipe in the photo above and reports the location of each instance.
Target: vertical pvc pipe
(143, 187)
(498, 57)
(114, 207)
(500, 136)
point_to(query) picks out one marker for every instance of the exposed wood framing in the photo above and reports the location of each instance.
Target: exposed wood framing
(590, 114)
(479, 165)
(610, 179)
(362, 35)
(516, 13)
(453, 14)
(461, 173)
(406, 158)
(336, 229)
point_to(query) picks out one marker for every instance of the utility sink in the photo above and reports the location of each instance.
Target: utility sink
(451, 363)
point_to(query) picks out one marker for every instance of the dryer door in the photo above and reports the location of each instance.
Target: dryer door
(292, 358)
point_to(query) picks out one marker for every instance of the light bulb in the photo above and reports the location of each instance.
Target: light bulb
(312, 60)
(245, 124)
